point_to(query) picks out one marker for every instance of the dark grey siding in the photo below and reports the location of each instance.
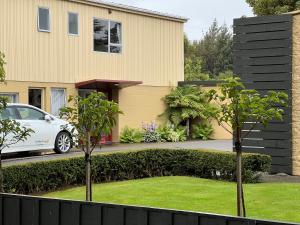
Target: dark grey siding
(25, 210)
(263, 60)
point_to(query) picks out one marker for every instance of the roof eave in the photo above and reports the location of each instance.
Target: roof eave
(131, 9)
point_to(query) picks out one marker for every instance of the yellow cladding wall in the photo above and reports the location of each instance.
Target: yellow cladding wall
(144, 104)
(138, 103)
(21, 88)
(152, 47)
(141, 104)
(295, 96)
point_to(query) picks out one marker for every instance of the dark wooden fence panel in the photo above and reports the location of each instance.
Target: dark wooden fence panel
(263, 60)
(27, 210)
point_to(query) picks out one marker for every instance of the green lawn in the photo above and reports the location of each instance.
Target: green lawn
(275, 201)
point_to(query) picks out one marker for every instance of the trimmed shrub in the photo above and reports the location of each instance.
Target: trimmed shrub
(131, 135)
(52, 175)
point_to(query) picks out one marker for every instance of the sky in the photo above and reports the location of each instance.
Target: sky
(200, 12)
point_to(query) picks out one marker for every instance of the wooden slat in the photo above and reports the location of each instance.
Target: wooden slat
(275, 60)
(279, 160)
(262, 20)
(265, 27)
(272, 126)
(280, 152)
(262, 52)
(242, 38)
(268, 135)
(91, 213)
(283, 85)
(262, 44)
(266, 77)
(283, 68)
(281, 168)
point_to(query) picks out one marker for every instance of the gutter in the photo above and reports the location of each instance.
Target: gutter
(131, 9)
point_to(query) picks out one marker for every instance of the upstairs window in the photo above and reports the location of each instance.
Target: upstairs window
(43, 19)
(107, 36)
(73, 23)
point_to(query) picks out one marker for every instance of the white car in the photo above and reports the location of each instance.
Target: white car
(49, 131)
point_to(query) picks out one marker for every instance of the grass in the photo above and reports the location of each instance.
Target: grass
(274, 201)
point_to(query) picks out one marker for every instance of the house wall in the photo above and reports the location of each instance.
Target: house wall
(21, 88)
(295, 96)
(152, 52)
(150, 98)
(152, 47)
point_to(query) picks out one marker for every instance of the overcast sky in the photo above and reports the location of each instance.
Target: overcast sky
(200, 12)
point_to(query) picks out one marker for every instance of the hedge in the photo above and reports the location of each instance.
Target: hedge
(52, 175)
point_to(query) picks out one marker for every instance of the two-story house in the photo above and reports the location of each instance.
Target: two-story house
(57, 48)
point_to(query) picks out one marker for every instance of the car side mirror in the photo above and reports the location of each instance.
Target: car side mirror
(48, 118)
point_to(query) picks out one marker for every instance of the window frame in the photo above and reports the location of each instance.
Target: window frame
(38, 19)
(16, 94)
(68, 23)
(51, 100)
(109, 43)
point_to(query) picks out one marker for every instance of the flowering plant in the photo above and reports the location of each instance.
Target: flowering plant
(150, 133)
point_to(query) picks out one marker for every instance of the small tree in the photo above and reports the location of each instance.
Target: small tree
(237, 106)
(11, 132)
(187, 103)
(91, 117)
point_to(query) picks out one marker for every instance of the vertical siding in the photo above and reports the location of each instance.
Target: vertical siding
(152, 47)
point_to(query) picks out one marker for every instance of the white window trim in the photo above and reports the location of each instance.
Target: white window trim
(11, 93)
(109, 44)
(38, 19)
(58, 88)
(78, 22)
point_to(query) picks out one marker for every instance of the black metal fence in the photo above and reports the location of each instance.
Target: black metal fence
(26, 210)
(263, 60)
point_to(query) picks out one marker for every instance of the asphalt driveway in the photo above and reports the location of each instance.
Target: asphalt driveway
(220, 145)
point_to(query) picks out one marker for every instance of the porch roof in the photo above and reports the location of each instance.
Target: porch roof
(105, 84)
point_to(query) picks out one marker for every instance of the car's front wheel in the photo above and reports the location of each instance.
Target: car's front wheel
(63, 143)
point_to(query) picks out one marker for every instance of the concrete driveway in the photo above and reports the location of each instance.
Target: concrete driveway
(221, 145)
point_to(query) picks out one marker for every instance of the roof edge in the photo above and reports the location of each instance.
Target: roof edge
(132, 9)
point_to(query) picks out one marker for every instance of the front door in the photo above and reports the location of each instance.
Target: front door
(35, 97)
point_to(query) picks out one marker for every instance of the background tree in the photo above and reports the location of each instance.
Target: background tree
(11, 132)
(193, 70)
(215, 50)
(273, 7)
(189, 48)
(187, 103)
(90, 117)
(237, 106)
(209, 56)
